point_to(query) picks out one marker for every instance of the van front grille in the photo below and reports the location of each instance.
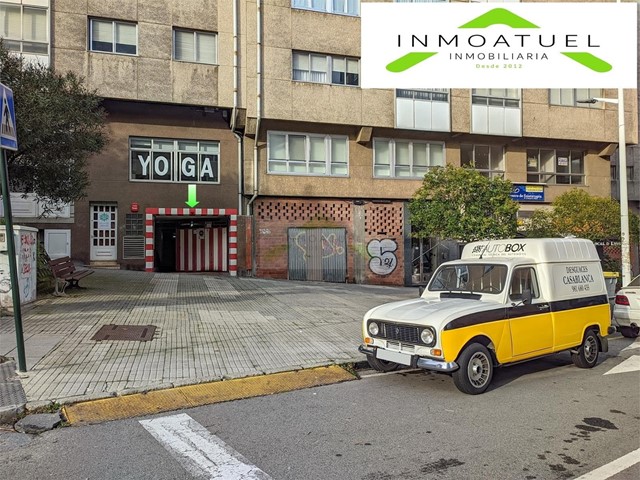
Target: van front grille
(402, 333)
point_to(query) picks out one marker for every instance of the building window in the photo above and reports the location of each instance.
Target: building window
(24, 29)
(113, 36)
(496, 111)
(134, 224)
(192, 46)
(498, 97)
(560, 167)
(318, 68)
(307, 154)
(165, 160)
(343, 7)
(405, 159)
(569, 96)
(487, 159)
(423, 109)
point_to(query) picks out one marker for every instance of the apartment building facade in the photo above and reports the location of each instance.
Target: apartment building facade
(300, 173)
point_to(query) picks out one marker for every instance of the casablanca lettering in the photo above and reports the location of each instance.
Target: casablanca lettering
(577, 274)
(572, 279)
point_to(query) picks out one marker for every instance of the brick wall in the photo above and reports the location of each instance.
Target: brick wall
(382, 246)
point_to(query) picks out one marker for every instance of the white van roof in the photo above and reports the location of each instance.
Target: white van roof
(543, 250)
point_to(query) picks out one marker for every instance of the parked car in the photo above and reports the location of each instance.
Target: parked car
(626, 309)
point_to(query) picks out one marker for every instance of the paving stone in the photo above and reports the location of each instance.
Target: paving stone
(38, 423)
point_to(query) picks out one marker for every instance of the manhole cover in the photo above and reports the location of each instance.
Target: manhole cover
(140, 333)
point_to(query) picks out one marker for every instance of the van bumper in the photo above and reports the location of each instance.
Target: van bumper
(419, 362)
(436, 365)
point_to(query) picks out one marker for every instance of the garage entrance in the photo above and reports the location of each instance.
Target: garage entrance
(191, 240)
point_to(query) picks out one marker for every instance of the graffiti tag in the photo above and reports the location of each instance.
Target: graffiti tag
(383, 259)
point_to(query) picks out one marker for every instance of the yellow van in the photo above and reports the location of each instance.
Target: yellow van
(503, 302)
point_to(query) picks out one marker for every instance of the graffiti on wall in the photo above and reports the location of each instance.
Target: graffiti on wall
(331, 246)
(383, 258)
(27, 253)
(5, 283)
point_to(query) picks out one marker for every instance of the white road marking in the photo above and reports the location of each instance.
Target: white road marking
(634, 345)
(631, 364)
(200, 452)
(610, 469)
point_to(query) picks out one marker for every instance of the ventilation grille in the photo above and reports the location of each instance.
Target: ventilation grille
(133, 247)
(384, 220)
(304, 211)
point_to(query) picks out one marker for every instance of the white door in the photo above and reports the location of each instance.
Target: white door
(57, 243)
(104, 230)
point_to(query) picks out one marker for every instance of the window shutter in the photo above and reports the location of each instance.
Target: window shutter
(34, 25)
(184, 46)
(206, 48)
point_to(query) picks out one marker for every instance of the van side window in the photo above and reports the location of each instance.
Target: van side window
(523, 279)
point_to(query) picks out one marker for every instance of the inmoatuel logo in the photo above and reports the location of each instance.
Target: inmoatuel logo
(526, 45)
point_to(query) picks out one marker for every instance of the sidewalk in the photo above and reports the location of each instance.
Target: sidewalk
(208, 327)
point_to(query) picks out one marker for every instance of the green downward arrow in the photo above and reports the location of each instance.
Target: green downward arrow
(192, 202)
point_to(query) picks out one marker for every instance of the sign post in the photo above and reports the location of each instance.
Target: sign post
(9, 141)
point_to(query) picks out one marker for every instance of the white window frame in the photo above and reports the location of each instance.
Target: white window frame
(328, 6)
(393, 165)
(567, 97)
(496, 97)
(546, 171)
(331, 168)
(114, 23)
(196, 35)
(426, 96)
(12, 42)
(174, 163)
(492, 171)
(328, 71)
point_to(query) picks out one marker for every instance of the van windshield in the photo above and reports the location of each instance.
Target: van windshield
(475, 278)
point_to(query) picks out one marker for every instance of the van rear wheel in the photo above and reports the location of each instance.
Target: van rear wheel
(381, 365)
(587, 354)
(476, 370)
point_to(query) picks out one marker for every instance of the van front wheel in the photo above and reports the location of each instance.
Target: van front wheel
(476, 370)
(587, 354)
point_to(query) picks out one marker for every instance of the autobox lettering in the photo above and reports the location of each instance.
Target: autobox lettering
(499, 249)
(481, 45)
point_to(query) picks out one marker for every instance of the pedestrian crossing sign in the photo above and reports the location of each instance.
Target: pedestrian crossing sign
(8, 123)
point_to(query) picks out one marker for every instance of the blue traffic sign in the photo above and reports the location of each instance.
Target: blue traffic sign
(8, 125)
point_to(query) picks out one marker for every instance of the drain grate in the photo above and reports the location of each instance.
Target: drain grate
(140, 333)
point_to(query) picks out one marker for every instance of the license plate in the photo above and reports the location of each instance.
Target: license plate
(396, 357)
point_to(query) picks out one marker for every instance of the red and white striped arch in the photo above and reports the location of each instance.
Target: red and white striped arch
(151, 213)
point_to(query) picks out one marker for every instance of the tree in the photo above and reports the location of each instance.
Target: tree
(582, 215)
(59, 125)
(462, 204)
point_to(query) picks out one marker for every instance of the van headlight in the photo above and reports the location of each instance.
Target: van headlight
(374, 329)
(427, 336)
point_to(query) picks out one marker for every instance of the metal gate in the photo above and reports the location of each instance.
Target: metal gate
(201, 250)
(317, 254)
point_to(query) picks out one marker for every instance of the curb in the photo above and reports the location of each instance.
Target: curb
(13, 400)
(9, 414)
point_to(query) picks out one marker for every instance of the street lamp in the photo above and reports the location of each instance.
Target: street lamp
(622, 182)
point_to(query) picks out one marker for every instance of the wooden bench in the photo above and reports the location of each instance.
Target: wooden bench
(65, 271)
